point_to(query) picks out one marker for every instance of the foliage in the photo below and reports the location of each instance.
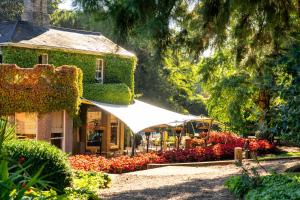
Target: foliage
(238, 185)
(219, 148)
(115, 165)
(117, 69)
(15, 181)
(279, 186)
(282, 117)
(86, 185)
(56, 167)
(244, 91)
(11, 10)
(41, 89)
(91, 180)
(77, 19)
(231, 91)
(108, 93)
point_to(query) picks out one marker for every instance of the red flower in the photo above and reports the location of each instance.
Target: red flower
(21, 159)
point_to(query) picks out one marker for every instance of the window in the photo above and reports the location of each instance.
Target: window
(99, 75)
(1, 56)
(95, 129)
(26, 125)
(57, 140)
(57, 132)
(115, 131)
(43, 59)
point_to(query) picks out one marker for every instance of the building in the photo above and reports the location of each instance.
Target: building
(108, 76)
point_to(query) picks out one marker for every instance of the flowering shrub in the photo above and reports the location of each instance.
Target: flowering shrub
(197, 142)
(114, 165)
(261, 146)
(221, 146)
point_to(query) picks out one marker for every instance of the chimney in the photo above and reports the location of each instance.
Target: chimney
(36, 12)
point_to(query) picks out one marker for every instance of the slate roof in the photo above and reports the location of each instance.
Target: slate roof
(22, 33)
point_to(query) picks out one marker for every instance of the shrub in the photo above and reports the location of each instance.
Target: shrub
(56, 167)
(277, 187)
(238, 185)
(108, 93)
(115, 165)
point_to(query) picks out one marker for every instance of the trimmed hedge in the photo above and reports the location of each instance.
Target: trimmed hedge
(40, 89)
(117, 69)
(57, 169)
(108, 93)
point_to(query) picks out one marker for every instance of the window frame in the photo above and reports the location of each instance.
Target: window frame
(118, 128)
(1, 56)
(99, 70)
(44, 59)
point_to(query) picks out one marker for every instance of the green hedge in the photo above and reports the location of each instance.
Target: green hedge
(41, 89)
(108, 93)
(117, 69)
(56, 166)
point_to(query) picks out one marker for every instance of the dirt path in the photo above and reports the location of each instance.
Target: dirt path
(179, 182)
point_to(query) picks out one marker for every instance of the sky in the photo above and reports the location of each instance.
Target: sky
(67, 5)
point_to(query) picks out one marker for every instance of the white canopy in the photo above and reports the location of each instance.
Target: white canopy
(140, 115)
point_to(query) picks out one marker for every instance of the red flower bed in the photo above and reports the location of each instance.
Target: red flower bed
(221, 146)
(114, 165)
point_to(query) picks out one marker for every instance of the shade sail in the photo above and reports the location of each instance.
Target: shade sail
(140, 115)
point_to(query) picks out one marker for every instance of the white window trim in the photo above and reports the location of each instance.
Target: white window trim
(99, 70)
(44, 62)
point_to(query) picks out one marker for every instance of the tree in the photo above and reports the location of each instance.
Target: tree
(11, 10)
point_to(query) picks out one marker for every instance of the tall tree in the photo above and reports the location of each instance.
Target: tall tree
(11, 10)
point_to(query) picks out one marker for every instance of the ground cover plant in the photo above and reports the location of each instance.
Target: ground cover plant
(220, 146)
(276, 186)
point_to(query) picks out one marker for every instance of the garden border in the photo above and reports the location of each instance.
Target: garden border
(213, 163)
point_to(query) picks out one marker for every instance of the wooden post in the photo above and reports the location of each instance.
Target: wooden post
(133, 145)
(238, 154)
(165, 138)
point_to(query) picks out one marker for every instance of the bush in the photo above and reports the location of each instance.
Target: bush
(238, 185)
(275, 187)
(56, 167)
(108, 93)
(115, 165)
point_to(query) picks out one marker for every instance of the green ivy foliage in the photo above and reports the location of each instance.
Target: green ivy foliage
(40, 89)
(108, 93)
(117, 69)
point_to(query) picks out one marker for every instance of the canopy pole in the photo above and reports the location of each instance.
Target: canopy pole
(133, 145)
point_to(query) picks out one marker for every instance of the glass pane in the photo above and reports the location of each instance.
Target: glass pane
(94, 129)
(95, 138)
(114, 133)
(55, 135)
(57, 143)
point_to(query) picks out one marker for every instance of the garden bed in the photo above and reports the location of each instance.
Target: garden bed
(221, 147)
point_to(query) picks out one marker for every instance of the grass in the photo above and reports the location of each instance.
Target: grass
(281, 155)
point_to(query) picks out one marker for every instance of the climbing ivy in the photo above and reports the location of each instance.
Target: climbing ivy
(40, 89)
(118, 69)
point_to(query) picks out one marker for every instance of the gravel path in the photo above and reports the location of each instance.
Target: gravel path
(179, 182)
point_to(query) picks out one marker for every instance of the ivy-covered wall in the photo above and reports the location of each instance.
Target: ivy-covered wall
(117, 69)
(40, 89)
